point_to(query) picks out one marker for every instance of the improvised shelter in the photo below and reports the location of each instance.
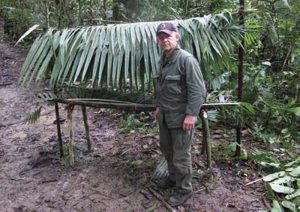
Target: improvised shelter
(113, 65)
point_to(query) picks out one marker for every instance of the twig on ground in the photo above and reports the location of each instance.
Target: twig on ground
(199, 190)
(254, 181)
(161, 199)
(266, 204)
(6, 84)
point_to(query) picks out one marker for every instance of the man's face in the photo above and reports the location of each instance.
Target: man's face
(167, 42)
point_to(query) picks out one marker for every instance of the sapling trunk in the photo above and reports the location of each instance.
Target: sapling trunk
(61, 150)
(206, 137)
(86, 126)
(71, 141)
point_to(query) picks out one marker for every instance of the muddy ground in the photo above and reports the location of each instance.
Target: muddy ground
(115, 176)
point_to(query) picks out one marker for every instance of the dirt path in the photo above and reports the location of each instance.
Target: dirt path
(114, 177)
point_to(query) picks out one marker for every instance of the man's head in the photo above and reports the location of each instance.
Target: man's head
(167, 36)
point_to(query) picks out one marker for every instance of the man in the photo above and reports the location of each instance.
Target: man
(180, 93)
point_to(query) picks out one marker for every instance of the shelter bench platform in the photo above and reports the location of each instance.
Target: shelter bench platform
(128, 106)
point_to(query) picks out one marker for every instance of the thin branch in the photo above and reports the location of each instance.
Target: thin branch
(161, 199)
(6, 84)
(254, 181)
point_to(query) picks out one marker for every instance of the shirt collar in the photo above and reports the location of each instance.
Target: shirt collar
(172, 58)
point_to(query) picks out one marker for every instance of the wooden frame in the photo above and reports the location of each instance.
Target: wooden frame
(129, 106)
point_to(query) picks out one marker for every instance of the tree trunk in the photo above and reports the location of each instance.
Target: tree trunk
(240, 75)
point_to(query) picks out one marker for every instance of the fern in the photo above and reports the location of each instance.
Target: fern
(33, 117)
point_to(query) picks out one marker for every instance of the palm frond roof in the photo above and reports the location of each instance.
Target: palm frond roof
(125, 55)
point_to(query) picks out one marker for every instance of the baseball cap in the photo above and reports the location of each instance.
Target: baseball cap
(167, 28)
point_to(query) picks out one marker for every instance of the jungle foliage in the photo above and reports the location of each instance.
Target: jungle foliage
(271, 66)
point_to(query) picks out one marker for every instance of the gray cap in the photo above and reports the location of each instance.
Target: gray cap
(167, 28)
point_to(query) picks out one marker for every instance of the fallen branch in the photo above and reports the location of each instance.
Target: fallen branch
(6, 84)
(268, 206)
(254, 181)
(161, 199)
(203, 188)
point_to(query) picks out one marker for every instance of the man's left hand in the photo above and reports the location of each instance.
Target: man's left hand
(189, 122)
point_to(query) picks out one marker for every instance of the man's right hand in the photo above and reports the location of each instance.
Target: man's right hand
(156, 112)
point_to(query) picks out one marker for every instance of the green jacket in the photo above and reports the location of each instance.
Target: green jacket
(180, 88)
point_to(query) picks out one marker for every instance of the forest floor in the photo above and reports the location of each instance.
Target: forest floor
(116, 175)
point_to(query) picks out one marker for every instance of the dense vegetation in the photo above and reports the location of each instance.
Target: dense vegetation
(271, 80)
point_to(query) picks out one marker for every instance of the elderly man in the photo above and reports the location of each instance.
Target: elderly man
(180, 93)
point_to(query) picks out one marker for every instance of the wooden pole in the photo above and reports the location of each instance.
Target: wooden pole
(86, 126)
(60, 143)
(206, 137)
(71, 141)
(204, 133)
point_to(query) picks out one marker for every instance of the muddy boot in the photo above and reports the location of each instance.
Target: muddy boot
(166, 183)
(179, 198)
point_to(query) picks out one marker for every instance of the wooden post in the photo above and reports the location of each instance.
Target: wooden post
(61, 150)
(86, 126)
(204, 134)
(206, 137)
(71, 141)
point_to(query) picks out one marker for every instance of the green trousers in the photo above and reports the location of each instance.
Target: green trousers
(175, 144)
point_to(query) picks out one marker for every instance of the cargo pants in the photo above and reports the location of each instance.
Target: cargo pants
(175, 144)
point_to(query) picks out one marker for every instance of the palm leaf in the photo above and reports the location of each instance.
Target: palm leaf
(108, 55)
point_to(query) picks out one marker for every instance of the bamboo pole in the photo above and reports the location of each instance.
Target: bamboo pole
(71, 141)
(60, 143)
(86, 126)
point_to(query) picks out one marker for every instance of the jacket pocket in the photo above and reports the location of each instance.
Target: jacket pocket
(173, 84)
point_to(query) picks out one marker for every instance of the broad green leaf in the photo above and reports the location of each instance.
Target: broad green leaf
(295, 172)
(284, 179)
(295, 110)
(276, 207)
(293, 195)
(293, 162)
(282, 189)
(276, 165)
(248, 107)
(289, 205)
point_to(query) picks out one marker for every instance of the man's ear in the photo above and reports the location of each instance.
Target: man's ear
(177, 36)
